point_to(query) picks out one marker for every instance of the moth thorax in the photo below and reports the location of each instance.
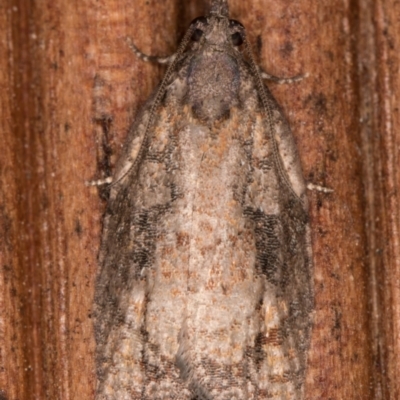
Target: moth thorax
(214, 83)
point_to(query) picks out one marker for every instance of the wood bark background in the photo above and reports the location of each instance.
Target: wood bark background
(70, 88)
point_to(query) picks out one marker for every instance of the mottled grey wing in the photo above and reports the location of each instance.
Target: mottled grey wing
(134, 208)
(284, 254)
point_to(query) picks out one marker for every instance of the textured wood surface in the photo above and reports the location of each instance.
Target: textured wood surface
(70, 89)
(379, 94)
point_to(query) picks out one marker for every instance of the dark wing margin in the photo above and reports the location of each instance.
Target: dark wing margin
(296, 286)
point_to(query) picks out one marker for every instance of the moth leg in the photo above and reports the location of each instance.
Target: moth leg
(276, 79)
(99, 182)
(318, 188)
(147, 58)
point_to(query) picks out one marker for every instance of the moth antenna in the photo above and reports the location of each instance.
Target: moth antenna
(268, 112)
(157, 101)
(220, 8)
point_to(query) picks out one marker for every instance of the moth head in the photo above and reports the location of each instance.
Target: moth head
(219, 7)
(218, 31)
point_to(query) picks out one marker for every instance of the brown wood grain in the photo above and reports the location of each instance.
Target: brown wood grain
(70, 89)
(378, 62)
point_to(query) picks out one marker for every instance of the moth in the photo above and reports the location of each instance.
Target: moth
(205, 287)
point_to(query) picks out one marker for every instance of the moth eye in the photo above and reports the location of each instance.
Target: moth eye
(197, 34)
(237, 39)
(198, 22)
(233, 23)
